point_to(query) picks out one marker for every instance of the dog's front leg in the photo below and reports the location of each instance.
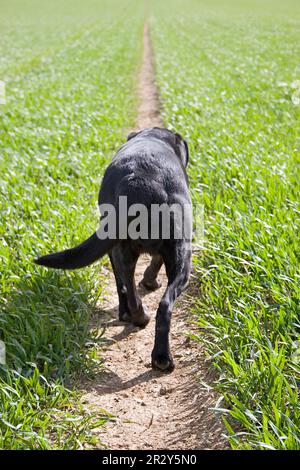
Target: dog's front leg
(161, 355)
(178, 262)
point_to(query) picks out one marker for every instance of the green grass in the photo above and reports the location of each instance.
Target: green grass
(70, 71)
(41, 414)
(226, 72)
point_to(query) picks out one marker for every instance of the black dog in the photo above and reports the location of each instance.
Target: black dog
(148, 169)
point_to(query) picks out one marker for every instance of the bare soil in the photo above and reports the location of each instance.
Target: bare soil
(152, 409)
(149, 106)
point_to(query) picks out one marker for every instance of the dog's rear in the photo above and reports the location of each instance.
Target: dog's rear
(148, 170)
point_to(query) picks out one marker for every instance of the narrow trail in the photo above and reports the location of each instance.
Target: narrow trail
(153, 410)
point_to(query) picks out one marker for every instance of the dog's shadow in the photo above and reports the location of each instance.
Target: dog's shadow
(108, 382)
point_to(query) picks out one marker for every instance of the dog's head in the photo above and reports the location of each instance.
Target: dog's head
(175, 140)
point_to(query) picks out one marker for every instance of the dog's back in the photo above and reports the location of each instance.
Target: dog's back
(147, 170)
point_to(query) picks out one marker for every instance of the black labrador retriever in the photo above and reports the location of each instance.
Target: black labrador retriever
(149, 169)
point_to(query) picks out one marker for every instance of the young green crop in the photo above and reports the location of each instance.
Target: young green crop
(69, 69)
(227, 74)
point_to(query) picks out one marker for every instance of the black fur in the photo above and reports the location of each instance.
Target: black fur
(148, 169)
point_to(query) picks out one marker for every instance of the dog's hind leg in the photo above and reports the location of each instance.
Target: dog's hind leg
(177, 259)
(150, 275)
(124, 259)
(124, 312)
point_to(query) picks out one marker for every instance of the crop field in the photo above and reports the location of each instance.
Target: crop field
(228, 77)
(227, 81)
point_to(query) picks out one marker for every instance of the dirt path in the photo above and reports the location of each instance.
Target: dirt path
(153, 410)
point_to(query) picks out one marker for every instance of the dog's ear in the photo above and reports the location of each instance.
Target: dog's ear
(187, 153)
(183, 149)
(131, 135)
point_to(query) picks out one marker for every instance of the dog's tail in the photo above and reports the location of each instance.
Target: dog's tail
(82, 255)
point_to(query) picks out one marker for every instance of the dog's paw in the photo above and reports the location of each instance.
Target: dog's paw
(163, 363)
(141, 319)
(153, 285)
(141, 322)
(125, 317)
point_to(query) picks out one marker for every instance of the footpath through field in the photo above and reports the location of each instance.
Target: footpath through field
(153, 410)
